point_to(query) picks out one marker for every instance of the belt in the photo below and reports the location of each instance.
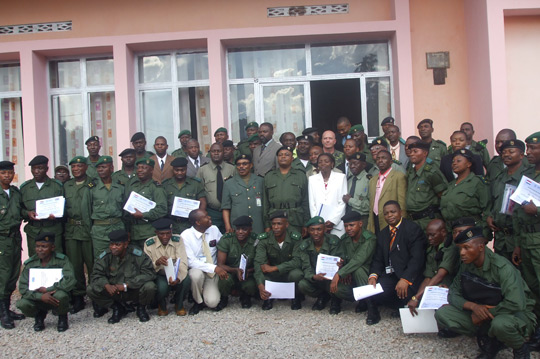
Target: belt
(43, 223)
(74, 222)
(284, 206)
(508, 231)
(531, 228)
(429, 212)
(106, 222)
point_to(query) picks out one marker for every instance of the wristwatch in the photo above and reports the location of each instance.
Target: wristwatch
(125, 287)
(414, 298)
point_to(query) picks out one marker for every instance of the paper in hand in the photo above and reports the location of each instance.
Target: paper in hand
(366, 291)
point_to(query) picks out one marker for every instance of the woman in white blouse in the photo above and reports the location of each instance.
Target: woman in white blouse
(326, 190)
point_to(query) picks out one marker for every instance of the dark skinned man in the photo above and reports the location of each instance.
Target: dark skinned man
(357, 198)
(264, 156)
(127, 172)
(357, 133)
(478, 148)
(162, 168)
(93, 146)
(242, 148)
(228, 151)
(138, 141)
(314, 133)
(184, 136)
(437, 148)
(61, 173)
(303, 145)
(343, 126)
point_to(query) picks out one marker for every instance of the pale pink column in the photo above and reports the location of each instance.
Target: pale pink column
(218, 83)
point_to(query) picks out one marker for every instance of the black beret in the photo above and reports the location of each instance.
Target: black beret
(358, 156)
(243, 157)
(388, 120)
(352, 216)
(138, 136)
(464, 222)
(6, 165)
(118, 235)
(45, 237)
(279, 214)
(465, 153)
(304, 138)
(513, 144)
(309, 130)
(92, 138)
(420, 144)
(38, 160)
(285, 148)
(127, 151)
(162, 224)
(469, 234)
(425, 120)
(243, 221)
(379, 142)
(228, 143)
(179, 162)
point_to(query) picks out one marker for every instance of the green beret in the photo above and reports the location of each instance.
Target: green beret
(145, 161)
(469, 234)
(513, 144)
(78, 159)
(251, 124)
(315, 221)
(45, 237)
(534, 138)
(253, 138)
(92, 138)
(356, 128)
(221, 129)
(104, 159)
(184, 133)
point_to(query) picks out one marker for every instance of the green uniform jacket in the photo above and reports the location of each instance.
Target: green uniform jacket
(245, 199)
(437, 150)
(242, 148)
(357, 255)
(496, 269)
(286, 192)
(192, 188)
(297, 164)
(58, 260)
(479, 148)
(449, 261)
(523, 223)
(467, 199)
(179, 153)
(423, 186)
(10, 211)
(269, 252)
(496, 166)
(76, 227)
(308, 254)
(30, 194)
(100, 203)
(339, 157)
(141, 229)
(122, 177)
(229, 244)
(360, 202)
(135, 269)
(208, 175)
(91, 171)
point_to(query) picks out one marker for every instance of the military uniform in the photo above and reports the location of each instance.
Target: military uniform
(479, 148)
(192, 188)
(91, 171)
(30, 194)
(30, 303)
(513, 320)
(437, 149)
(179, 153)
(423, 185)
(446, 257)
(123, 177)
(242, 148)
(135, 269)
(359, 201)
(496, 166)
(77, 233)
(339, 157)
(289, 193)
(298, 165)
(229, 244)
(141, 229)
(243, 198)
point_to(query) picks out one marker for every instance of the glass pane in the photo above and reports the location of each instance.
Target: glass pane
(195, 115)
(340, 59)
(100, 72)
(257, 63)
(378, 104)
(65, 74)
(242, 109)
(11, 139)
(284, 107)
(157, 117)
(192, 66)
(10, 77)
(154, 69)
(68, 114)
(103, 121)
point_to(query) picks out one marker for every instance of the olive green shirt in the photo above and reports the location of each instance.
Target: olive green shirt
(76, 227)
(308, 254)
(358, 254)
(522, 221)
(30, 194)
(10, 210)
(478, 148)
(469, 198)
(423, 185)
(437, 149)
(229, 244)
(179, 153)
(245, 199)
(123, 177)
(208, 175)
(359, 201)
(91, 171)
(100, 203)
(449, 262)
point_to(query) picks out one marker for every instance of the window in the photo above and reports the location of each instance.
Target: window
(174, 95)
(83, 105)
(11, 139)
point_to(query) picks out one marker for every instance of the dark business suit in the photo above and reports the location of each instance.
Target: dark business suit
(407, 258)
(191, 170)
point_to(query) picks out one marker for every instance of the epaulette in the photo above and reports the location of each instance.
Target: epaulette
(260, 175)
(441, 142)
(91, 184)
(263, 235)
(449, 148)
(483, 179)
(303, 246)
(427, 167)
(227, 178)
(14, 188)
(137, 252)
(402, 140)
(295, 235)
(204, 164)
(333, 239)
(227, 235)
(175, 238)
(57, 181)
(428, 161)
(103, 254)
(150, 241)
(25, 183)
(28, 260)
(480, 145)
(397, 162)
(60, 255)
(368, 235)
(195, 178)
(369, 176)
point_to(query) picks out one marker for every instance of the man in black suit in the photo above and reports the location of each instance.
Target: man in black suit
(398, 262)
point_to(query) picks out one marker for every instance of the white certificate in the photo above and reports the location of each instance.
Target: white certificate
(507, 206)
(366, 291)
(182, 206)
(526, 191)
(48, 206)
(139, 202)
(43, 277)
(434, 298)
(327, 264)
(243, 265)
(171, 270)
(424, 322)
(280, 290)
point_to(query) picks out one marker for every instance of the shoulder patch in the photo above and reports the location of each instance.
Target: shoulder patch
(60, 255)
(175, 238)
(137, 252)
(197, 179)
(304, 245)
(295, 235)
(25, 183)
(103, 254)
(91, 184)
(227, 235)
(483, 179)
(369, 176)
(263, 235)
(150, 241)
(428, 167)
(401, 140)
(480, 145)
(429, 160)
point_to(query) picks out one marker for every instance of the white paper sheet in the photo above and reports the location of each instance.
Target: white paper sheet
(434, 298)
(327, 264)
(507, 205)
(243, 265)
(366, 291)
(280, 290)
(48, 206)
(526, 191)
(142, 203)
(43, 277)
(424, 322)
(171, 270)
(182, 206)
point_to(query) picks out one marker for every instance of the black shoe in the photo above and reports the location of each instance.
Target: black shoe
(335, 306)
(5, 319)
(447, 333)
(523, 352)
(190, 298)
(39, 324)
(296, 304)
(118, 312)
(361, 306)
(534, 341)
(322, 301)
(129, 307)
(78, 304)
(99, 311)
(142, 314)
(196, 308)
(62, 323)
(373, 315)
(222, 304)
(245, 300)
(268, 304)
(12, 314)
(489, 347)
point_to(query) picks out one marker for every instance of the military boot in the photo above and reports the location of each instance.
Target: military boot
(5, 319)
(62, 323)
(373, 315)
(489, 347)
(78, 304)
(335, 305)
(39, 323)
(12, 314)
(142, 314)
(118, 312)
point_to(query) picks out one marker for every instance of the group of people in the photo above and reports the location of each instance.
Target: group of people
(402, 213)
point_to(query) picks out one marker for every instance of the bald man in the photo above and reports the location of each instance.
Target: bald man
(496, 165)
(328, 142)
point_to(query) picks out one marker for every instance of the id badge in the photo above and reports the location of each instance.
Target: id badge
(389, 270)
(202, 258)
(258, 201)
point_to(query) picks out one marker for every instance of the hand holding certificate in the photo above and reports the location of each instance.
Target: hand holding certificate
(48, 206)
(136, 201)
(434, 298)
(182, 206)
(280, 290)
(328, 265)
(366, 291)
(528, 190)
(171, 270)
(243, 265)
(43, 277)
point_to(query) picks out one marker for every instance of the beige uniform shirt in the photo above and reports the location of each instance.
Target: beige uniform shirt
(174, 249)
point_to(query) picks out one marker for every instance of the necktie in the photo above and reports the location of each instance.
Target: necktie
(262, 148)
(353, 186)
(162, 164)
(219, 181)
(207, 254)
(393, 154)
(393, 232)
(196, 163)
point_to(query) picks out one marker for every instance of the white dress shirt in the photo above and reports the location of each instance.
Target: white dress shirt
(193, 243)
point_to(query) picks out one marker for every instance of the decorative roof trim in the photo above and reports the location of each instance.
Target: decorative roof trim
(36, 28)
